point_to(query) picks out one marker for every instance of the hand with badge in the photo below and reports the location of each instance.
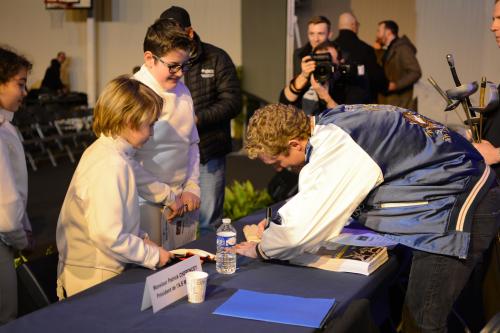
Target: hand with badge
(190, 201)
(178, 229)
(173, 210)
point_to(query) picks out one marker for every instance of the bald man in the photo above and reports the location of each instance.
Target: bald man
(355, 51)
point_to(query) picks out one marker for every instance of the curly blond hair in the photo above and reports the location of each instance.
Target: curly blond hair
(272, 127)
(125, 102)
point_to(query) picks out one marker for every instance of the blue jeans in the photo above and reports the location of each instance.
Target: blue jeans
(437, 280)
(212, 184)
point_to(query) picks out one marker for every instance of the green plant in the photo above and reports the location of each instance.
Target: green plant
(242, 199)
(21, 259)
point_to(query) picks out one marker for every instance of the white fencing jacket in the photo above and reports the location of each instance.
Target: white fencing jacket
(99, 221)
(13, 185)
(172, 154)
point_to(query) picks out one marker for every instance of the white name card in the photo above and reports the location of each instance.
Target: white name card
(169, 285)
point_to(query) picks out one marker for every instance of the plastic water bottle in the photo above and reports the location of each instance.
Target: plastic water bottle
(226, 239)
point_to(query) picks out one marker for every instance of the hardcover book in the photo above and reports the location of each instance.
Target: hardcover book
(344, 258)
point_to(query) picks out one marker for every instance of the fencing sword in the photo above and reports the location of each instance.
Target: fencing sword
(451, 64)
(450, 105)
(463, 94)
(482, 91)
(493, 101)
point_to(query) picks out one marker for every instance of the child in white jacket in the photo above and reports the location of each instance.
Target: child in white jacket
(15, 228)
(98, 228)
(173, 155)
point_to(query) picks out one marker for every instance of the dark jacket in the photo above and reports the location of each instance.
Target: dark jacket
(52, 79)
(401, 67)
(216, 94)
(492, 131)
(298, 54)
(336, 89)
(355, 51)
(349, 89)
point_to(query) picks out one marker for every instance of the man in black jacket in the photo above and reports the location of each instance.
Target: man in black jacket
(216, 94)
(52, 79)
(490, 148)
(358, 53)
(318, 31)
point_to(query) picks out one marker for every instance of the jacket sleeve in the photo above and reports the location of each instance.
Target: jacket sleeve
(375, 72)
(410, 68)
(228, 100)
(109, 214)
(298, 101)
(150, 188)
(192, 184)
(12, 208)
(285, 100)
(338, 177)
(296, 62)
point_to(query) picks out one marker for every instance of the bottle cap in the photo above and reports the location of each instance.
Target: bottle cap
(226, 221)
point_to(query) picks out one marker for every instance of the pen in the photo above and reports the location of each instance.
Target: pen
(269, 213)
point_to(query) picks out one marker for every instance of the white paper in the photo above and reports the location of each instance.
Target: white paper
(169, 285)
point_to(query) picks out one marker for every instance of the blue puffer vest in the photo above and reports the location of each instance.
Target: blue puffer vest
(433, 177)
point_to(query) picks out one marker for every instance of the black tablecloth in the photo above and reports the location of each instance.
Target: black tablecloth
(114, 306)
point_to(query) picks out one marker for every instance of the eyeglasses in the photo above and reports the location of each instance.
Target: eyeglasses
(174, 68)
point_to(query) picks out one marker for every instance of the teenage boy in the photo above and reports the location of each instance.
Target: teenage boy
(408, 177)
(98, 231)
(172, 155)
(216, 93)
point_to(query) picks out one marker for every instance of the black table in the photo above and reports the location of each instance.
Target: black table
(114, 306)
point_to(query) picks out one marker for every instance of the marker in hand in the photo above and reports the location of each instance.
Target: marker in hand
(269, 213)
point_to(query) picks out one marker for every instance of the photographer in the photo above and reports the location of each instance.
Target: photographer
(324, 82)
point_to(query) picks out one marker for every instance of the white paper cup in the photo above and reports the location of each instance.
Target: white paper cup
(196, 283)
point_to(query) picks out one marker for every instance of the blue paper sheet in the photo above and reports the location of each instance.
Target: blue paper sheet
(284, 309)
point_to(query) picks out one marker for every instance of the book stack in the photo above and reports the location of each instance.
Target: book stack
(344, 258)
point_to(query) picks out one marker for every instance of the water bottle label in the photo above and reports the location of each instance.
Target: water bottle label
(226, 240)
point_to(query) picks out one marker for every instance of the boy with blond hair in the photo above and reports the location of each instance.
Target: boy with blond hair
(98, 229)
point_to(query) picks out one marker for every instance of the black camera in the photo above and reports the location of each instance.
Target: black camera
(346, 70)
(324, 66)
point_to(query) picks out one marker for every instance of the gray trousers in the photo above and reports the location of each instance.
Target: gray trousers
(8, 285)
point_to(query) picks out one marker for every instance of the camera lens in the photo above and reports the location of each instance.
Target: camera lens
(322, 72)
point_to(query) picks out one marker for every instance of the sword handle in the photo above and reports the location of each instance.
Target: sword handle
(451, 64)
(482, 92)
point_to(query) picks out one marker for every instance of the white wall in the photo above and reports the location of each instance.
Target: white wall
(370, 13)
(459, 27)
(39, 34)
(120, 41)
(264, 46)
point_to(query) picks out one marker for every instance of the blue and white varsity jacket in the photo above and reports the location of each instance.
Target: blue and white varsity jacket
(407, 176)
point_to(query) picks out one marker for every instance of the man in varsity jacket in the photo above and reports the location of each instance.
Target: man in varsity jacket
(408, 177)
